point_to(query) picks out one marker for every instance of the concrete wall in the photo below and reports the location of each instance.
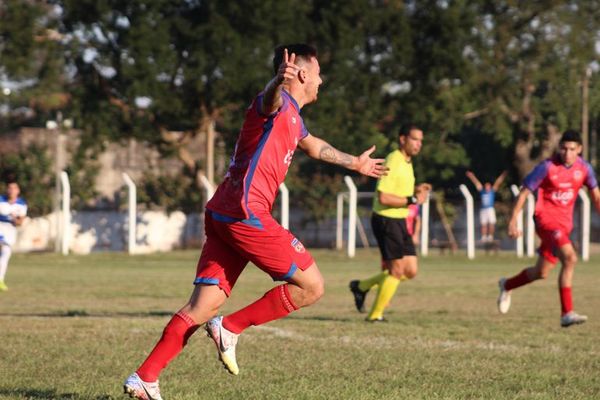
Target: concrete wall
(95, 231)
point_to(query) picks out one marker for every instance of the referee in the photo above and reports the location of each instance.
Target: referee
(394, 194)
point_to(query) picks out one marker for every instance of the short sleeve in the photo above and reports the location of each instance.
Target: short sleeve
(535, 177)
(387, 183)
(303, 131)
(590, 180)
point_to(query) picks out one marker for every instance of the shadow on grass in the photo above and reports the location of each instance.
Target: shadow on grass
(49, 394)
(85, 314)
(323, 318)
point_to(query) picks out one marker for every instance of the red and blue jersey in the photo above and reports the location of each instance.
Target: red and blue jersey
(262, 156)
(558, 186)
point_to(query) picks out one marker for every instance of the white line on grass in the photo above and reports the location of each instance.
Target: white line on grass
(394, 342)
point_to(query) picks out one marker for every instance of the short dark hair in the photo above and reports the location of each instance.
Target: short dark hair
(10, 178)
(301, 50)
(406, 128)
(571, 135)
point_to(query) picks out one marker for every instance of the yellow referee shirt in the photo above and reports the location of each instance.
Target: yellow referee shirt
(399, 181)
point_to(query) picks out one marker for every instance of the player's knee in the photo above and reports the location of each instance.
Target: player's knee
(410, 273)
(571, 259)
(541, 274)
(315, 291)
(397, 273)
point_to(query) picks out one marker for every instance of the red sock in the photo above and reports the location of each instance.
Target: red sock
(275, 304)
(517, 281)
(174, 338)
(566, 300)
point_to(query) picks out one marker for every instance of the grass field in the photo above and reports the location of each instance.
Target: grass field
(75, 327)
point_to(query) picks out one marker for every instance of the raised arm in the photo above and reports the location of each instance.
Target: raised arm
(499, 180)
(474, 179)
(272, 100)
(319, 149)
(513, 230)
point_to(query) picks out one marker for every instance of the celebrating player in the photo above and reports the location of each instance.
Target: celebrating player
(13, 210)
(240, 228)
(487, 213)
(394, 194)
(557, 181)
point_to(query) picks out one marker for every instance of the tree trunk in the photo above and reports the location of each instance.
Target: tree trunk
(527, 154)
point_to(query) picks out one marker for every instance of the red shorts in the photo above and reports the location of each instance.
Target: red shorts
(552, 239)
(231, 243)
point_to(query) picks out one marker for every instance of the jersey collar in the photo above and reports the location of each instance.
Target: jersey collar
(292, 100)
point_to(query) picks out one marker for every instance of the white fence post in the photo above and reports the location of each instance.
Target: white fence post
(470, 222)
(530, 225)
(351, 216)
(66, 213)
(285, 206)
(585, 225)
(209, 188)
(425, 227)
(339, 227)
(515, 192)
(132, 213)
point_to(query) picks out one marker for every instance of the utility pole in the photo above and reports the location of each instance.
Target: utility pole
(594, 143)
(210, 152)
(585, 113)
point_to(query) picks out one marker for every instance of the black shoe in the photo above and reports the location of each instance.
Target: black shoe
(376, 320)
(359, 296)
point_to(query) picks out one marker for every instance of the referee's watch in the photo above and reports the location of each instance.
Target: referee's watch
(411, 200)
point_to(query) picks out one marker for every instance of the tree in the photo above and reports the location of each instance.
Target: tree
(169, 72)
(31, 59)
(528, 60)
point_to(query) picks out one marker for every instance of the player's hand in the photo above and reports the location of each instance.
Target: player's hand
(287, 71)
(368, 166)
(513, 231)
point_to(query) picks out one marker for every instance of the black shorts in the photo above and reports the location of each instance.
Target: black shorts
(392, 237)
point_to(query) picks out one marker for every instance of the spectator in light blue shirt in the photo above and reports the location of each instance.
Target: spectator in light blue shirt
(487, 213)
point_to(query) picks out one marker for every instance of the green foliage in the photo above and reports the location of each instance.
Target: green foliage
(478, 76)
(17, 36)
(170, 193)
(82, 170)
(33, 170)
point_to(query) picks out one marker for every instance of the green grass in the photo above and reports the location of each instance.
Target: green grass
(75, 327)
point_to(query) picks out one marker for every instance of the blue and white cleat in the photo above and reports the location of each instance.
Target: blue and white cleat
(136, 388)
(225, 342)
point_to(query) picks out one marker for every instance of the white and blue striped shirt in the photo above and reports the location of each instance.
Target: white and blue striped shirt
(8, 210)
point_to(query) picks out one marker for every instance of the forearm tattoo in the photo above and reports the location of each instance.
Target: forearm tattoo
(331, 155)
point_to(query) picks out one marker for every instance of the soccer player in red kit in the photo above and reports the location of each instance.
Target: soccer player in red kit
(557, 180)
(239, 226)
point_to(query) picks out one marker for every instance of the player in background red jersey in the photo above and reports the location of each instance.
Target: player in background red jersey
(557, 180)
(240, 228)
